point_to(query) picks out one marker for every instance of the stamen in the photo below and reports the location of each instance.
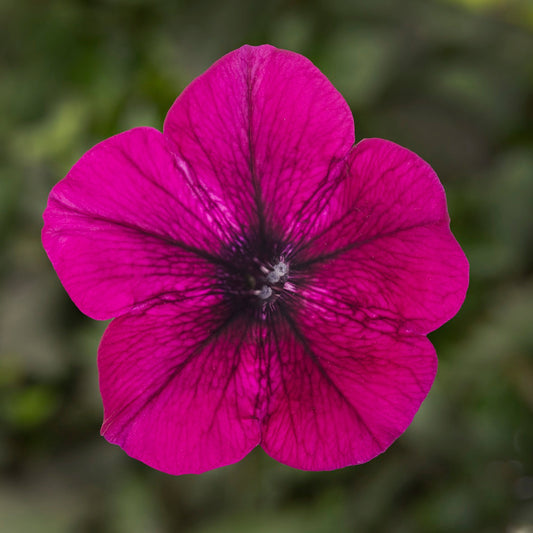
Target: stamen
(270, 287)
(281, 269)
(265, 293)
(273, 277)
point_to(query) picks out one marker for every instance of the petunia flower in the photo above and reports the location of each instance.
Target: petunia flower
(271, 282)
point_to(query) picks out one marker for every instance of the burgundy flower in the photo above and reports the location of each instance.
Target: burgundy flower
(272, 284)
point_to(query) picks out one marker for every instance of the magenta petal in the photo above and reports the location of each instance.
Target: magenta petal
(263, 129)
(341, 393)
(179, 388)
(391, 251)
(123, 228)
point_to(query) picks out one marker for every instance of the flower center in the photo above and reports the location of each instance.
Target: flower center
(273, 281)
(257, 276)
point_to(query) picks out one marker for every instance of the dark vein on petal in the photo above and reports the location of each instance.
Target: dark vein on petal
(198, 186)
(300, 337)
(147, 233)
(324, 190)
(173, 373)
(195, 216)
(265, 362)
(260, 209)
(356, 244)
(231, 373)
(281, 363)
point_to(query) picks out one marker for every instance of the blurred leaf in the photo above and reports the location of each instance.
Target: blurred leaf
(29, 406)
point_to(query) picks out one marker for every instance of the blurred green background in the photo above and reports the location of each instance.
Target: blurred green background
(451, 80)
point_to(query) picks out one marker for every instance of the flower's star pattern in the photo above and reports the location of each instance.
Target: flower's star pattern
(271, 283)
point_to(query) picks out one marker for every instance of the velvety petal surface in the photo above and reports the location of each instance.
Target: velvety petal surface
(341, 392)
(264, 132)
(179, 387)
(390, 250)
(179, 235)
(123, 227)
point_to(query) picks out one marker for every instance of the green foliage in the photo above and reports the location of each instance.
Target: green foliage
(453, 81)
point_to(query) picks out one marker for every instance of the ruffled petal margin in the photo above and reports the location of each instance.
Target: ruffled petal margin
(123, 228)
(179, 387)
(186, 390)
(340, 392)
(263, 132)
(390, 251)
